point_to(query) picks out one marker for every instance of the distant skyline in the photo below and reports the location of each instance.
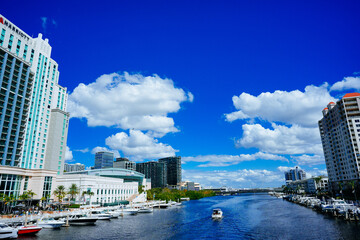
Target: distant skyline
(235, 88)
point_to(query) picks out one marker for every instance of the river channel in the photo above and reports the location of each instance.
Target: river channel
(248, 216)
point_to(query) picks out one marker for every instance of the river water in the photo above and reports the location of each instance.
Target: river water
(248, 216)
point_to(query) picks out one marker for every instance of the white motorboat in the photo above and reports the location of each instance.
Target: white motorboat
(128, 211)
(81, 219)
(145, 210)
(164, 205)
(217, 214)
(100, 215)
(50, 223)
(114, 214)
(28, 230)
(7, 232)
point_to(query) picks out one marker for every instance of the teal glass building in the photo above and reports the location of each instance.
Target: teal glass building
(16, 82)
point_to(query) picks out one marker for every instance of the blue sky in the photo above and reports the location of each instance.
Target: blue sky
(234, 87)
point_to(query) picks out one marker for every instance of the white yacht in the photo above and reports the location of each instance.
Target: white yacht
(100, 215)
(127, 211)
(81, 219)
(50, 223)
(145, 210)
(7, 232)
(217, 214)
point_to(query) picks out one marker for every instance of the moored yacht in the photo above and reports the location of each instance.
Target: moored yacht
(81, 219)
(145, 210)
(28, 230)
(127, 211)
(50, 223)
(100, 215)
(7, 232)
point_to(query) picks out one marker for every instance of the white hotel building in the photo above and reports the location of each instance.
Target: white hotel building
(340, 137)
(45, 138)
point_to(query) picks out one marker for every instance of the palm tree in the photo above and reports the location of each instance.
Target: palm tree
(353, 184)
(318, 181)
(73, 191)
(8, 200)
(89, 193)
(24, 197)
(30, 193)
(60, 193)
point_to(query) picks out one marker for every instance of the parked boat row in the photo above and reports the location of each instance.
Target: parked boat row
(26, 225)
(335, 207)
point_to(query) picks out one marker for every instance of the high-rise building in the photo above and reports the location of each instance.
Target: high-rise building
(156, 171)
(173, 171)
(104, 160)
(74, 167)
(340, 137)
(16, 81)
(124, 163)
(46, 126)
(295, 174)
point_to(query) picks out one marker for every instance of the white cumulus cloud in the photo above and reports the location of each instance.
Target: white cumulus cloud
(245, 178)
(227, 160)
(294, 107)
(281, 139)
(139, 146)
(346, 83)
(309, 160)
(68, 155)
(129, 102)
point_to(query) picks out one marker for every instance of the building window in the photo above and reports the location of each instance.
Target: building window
(47, 187)
(26, 183)
(18, 48)
(25, 51)
(2, 37)
(10, 42)
(10, 184)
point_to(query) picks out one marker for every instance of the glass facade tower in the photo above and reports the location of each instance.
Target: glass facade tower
(16, 82)
(33, 58)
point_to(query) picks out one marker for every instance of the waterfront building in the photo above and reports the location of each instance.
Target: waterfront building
(340, 137)
(124, 163)
(104, 160)
(190, 186)
(173, 169)
(156, 171)
(16, 82)
(125, 174)
(309, 185)
(295, 174)
(14, 181)
(46, 124)
(74, 167)
(107, 190)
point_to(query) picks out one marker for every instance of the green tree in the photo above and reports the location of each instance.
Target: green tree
(140, 188)
(318, 181)
(73, 191)
(60, 193)
(89, 193)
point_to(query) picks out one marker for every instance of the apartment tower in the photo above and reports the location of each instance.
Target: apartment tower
(340, 137)
(173, 170)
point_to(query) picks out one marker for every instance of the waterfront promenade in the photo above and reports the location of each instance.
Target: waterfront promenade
(247, 216)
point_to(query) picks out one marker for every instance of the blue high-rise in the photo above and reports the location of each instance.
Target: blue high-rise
(104, 160)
